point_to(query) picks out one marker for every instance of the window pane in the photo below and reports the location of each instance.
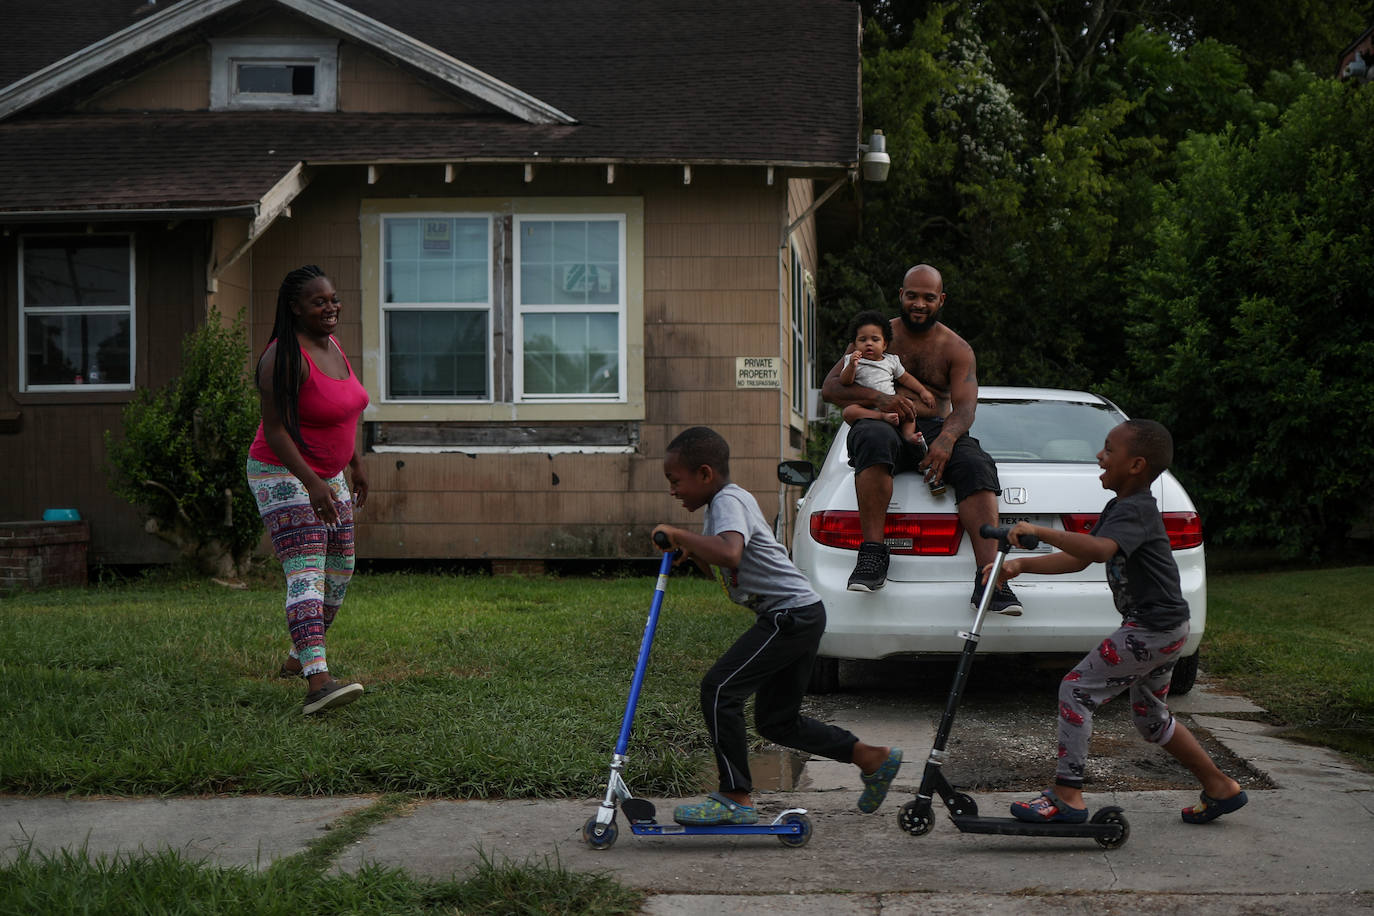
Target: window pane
(77, 349)
(536, 283)
(264, 78)
(436, 354)
(437, 259)
(603, 240)
(76, 271)
(571, 354)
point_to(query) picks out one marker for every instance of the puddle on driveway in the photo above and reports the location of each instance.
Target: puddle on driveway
(777, 769)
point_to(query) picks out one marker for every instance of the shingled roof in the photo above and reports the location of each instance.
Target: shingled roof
(732, 81)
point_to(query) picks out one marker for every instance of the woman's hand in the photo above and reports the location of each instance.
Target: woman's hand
(322, 501)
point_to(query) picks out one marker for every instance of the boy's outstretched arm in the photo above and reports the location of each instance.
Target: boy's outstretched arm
(1077, 551)
(725, 549)
(1086, 547)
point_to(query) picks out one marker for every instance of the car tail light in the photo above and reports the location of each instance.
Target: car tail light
(906, 534)
(1080, 522)
(1184, 528)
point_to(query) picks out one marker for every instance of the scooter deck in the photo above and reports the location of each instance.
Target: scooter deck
(656, 829)
(1006, 826)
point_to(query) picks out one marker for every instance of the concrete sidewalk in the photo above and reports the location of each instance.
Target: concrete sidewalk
(1306, 846)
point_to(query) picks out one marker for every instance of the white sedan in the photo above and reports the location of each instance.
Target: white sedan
(1045, 442)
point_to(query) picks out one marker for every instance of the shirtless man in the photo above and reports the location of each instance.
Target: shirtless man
(946, 365)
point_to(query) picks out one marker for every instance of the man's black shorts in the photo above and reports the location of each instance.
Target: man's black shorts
(969, 470)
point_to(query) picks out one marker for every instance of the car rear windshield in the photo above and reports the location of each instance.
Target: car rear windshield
(1071, 431)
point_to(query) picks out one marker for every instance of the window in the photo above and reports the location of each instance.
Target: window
(436, 307)
(274, 73)
(76, 296)
(504, 309)
(570, 306)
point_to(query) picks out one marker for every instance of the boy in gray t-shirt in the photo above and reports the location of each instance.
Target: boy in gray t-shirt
(1130, 539)
(772, 659)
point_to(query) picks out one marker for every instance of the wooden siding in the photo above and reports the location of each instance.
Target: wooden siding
(710, 294)
(57, 458)
(713, 261)
(180, 84)
(367, 82)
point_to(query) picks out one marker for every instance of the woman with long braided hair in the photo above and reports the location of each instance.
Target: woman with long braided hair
(311, 400)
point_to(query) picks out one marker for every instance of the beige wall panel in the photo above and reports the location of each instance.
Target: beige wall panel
(180, 84)
(710, 306)
(502, 541)
(452, 472)
(698, 240)
(704, 406)
(739, 273)
(707, 340)
(698, 203)
(690, 373)
(368, 83)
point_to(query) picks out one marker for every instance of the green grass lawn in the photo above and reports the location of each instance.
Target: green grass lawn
(1300, 644)
(476, 687)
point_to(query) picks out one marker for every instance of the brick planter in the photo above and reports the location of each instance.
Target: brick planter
(42, 554)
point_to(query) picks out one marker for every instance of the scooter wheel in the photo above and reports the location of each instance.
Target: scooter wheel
(1112, 815)
(961, 805)
(796, 841)
(915, 821)
(599, 836)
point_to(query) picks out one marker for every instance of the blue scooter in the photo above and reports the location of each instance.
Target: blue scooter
(792, 827)
(1108, 826)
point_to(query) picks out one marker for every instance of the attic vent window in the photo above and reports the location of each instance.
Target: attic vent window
(274, 73)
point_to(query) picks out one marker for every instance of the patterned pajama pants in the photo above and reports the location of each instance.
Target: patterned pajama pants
(318, 562)
(1132, 658)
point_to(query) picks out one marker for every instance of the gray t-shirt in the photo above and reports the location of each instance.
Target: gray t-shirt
(766, 580)
(1143, 574)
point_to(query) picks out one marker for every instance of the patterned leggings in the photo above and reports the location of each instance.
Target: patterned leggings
(1132, 657)
(318, 561)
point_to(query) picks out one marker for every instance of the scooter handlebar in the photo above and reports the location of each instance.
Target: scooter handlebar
(992, 532)
(661, 540)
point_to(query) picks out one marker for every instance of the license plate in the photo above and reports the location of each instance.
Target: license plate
(1006, 521)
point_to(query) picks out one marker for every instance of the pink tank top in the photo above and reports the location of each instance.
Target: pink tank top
(329, 409)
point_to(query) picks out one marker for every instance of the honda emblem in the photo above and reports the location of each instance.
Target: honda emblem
(1014, 496)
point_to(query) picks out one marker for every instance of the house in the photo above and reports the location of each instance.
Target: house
(562, 231)
(1356, 60)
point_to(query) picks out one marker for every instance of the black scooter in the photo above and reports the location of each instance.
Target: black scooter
(1108, 827)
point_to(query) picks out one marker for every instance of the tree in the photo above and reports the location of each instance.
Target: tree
(184, 450)
(1250, 327)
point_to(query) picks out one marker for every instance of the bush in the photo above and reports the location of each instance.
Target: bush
(184, 449)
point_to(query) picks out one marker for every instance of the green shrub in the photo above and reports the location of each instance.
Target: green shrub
(184, 448)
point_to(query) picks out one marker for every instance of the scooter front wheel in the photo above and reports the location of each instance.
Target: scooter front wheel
(914, 820)
(1112, 815)
(599, 836)
(796, 841)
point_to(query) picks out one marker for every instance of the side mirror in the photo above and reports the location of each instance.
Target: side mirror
(797, 473)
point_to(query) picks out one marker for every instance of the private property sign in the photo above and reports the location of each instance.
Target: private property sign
(758, 372)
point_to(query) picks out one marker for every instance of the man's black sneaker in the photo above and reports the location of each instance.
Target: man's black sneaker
(1004, 600)
(870, 572)
(330, 696)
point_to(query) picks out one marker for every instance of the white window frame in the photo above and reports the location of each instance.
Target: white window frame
(519, 311)
(800, 380)
(227, 54)
(25, 310)
(489, 306)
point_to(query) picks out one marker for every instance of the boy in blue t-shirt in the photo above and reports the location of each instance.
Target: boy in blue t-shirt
(771, 660)
(1130, 539)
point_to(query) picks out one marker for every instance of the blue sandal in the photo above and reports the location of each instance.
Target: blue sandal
(715, 811)
(1209, 808)
(1048, 809)
(879, 781)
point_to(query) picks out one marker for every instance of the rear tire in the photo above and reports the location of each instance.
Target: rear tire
(1185, 675)
(825, 676)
